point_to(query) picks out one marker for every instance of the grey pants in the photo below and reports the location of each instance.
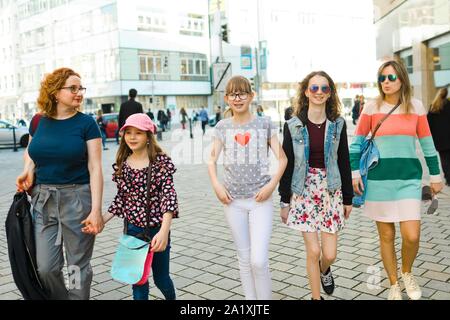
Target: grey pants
(58, 212)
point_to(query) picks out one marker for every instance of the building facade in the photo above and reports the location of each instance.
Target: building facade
(160, 48)
(418, 32)
(277, 43)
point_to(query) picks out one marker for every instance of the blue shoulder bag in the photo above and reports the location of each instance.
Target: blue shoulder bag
(133, 258)
(369, 159)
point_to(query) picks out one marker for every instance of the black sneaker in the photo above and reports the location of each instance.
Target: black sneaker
(327, 281)
(321, 298)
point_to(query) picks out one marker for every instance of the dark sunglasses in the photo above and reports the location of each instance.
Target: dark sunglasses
(314, 88)
(391, 78)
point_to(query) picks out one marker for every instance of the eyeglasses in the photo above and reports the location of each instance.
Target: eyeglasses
(314, 88)
(391, 78)
(75, 89)
(233, 96)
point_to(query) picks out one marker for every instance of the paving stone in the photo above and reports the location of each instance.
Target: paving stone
(217, 294)
(204, 263)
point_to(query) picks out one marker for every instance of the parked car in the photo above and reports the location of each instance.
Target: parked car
(112, 124)
(6, 134)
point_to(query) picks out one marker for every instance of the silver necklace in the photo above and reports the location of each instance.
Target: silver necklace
(317, 125)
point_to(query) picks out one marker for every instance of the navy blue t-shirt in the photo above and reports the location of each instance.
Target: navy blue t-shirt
(59, 149)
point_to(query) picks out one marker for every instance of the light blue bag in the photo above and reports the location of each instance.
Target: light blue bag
(369, 159)
(129, 264)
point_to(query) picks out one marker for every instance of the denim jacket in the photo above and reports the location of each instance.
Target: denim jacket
(300, 143)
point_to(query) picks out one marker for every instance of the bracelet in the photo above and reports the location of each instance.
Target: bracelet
(284, 204)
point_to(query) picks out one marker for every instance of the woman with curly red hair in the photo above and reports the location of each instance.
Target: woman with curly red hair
(64, 160)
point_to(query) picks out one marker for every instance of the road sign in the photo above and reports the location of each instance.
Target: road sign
(221, 75)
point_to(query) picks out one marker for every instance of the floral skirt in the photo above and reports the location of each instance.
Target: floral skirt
(317, 209)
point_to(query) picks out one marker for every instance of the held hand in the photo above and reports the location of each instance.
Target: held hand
(222, 194)
(159, 241)
(25, 180)
(284, 212)
(264, 193)
(347, 211)
(93, 223)
(436, 187)
(358, 185)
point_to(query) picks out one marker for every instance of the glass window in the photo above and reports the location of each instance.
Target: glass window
(151, 66)
(143, 67)
(183, 66)
(203, 66)
(158, 65)
(197, 67)
(190, 67)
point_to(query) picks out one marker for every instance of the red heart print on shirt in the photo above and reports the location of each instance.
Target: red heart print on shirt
(242, 139)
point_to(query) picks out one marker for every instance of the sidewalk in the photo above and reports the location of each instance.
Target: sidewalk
(203, 262)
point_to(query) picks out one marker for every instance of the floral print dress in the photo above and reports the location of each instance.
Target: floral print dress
(317, 209)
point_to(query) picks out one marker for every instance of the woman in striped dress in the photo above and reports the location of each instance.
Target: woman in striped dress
(394, 185)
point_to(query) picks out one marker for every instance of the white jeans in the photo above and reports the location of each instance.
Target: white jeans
(251, 227)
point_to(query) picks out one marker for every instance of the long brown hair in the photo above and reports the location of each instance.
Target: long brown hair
(438, 102)
(301, 101)
(405, 90)
(153, 149)
(50, 85)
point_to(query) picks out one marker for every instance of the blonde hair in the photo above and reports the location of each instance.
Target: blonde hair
(153, 149)
(238, 84)
(50, 85)
(405, 90)
(438, 101)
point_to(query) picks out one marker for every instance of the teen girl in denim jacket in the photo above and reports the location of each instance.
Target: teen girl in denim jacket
(316, 188)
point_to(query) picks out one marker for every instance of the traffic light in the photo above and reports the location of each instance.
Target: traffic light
(252, 83)
(224, 32)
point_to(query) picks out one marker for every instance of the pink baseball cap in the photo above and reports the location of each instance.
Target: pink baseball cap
(140, 121)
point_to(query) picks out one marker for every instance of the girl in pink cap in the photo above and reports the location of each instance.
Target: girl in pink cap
(139, 155)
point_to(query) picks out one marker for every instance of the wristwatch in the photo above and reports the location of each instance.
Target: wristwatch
(284, 204)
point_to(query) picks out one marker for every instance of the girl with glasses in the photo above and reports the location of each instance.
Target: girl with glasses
(316, 188)
(248, 186)
(393, 191)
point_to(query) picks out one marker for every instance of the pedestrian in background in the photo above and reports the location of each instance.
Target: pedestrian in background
(102, 126)
(194, 116)
(356, 109)
(260, 111)
(218, 114)
(316, 188)
(150, 114)
(204, 118)
(248, 186)
(139, 155)
(393, 190)
(184, 117)
(362, 102)
(439, 121)
(169, 119)
(129, 107)
(65, 155)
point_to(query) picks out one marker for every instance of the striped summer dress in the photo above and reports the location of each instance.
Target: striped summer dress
(394, 185)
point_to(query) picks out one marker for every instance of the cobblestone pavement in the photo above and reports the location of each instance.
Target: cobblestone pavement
(203, 262)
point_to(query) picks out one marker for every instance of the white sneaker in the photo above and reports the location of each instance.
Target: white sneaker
(395, 293)
(411, 286)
